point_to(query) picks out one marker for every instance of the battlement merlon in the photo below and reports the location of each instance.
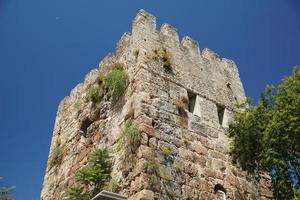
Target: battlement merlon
(170, 33)
(191, 48)
(143, 22)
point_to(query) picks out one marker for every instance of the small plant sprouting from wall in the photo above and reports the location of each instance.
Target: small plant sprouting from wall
(186, 142)
(100, 78)
(76, 193)
(165, 57)
(165, 174)
(91, 179)
(116, 81)
(131, 137)
(111, 186)
(181, 105)
(171, 193)
(157, 174)
(56, 155)
(155, 168)
(152, 167)
(94, 94)
(77, 105)
(179, 167)
(117, 66)
(166, 150)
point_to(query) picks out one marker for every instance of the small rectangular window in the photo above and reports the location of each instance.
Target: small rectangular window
(192, 101)
(221, 111)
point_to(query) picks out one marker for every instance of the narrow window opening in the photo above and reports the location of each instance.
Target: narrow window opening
(192, 101)
(221, 111)
(220, 192)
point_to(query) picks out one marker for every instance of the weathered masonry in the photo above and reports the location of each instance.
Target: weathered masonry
(180, 98)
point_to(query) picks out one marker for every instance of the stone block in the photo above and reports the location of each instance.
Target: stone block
(187, 192)
(139, 167)
(145, 152)
(185, 154)
(153, 143)
(199, 148)
(143, 195)
(149, 130)
(218, 165)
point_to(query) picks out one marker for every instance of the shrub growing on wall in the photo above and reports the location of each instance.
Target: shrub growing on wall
(181, 105)
(56, 156)
(131, 137)
(116, 81)
(94, 94)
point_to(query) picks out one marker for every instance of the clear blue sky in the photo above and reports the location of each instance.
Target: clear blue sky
(46, 48)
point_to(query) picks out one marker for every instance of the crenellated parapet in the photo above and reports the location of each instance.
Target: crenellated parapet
(188, 62)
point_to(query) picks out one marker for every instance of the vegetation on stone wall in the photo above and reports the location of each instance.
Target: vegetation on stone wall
(117, 66)
(116, 81)
(166, 150)
(165, 57)
(56, 155)
(179, 167)
(266, 137)
(130, 137)
(111, 186)
(152, 167)
(76, 193)
(159, 175)
(91, 179)
(182, 104)
(77, 105)
(94, 94)
(100, 78)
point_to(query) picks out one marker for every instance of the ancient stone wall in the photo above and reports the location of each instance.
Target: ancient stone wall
(184, 152)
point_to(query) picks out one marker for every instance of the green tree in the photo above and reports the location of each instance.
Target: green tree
(76, 193)
(266, 137)
(91, 179)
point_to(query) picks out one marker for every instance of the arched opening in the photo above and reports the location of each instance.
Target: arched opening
(220, 192)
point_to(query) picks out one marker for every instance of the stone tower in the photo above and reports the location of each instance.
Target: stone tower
(180, 98)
